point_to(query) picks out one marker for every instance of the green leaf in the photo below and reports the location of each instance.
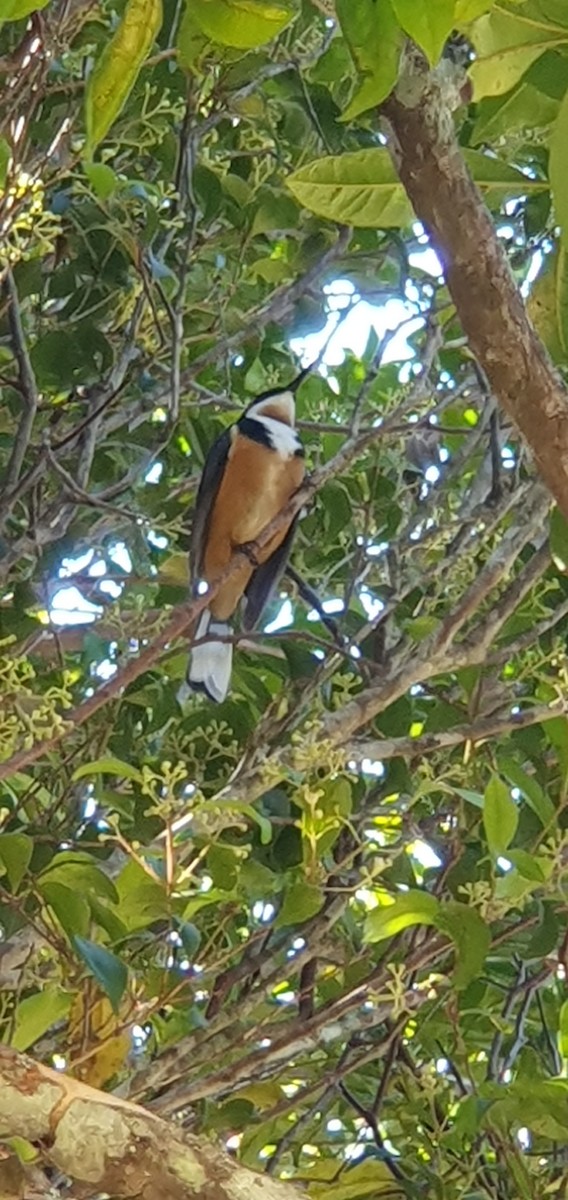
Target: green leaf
(469, 10)
(78, 872)
(25, 1151)
(506, 44)
(102, 179)
(244, 24)
(141, 899)
(523, 108)
(528, 865)
(69, 905)
(536, 798)
(190, 938)
(337, 797)
(429, 24)
(190, 40)
(563, 1031)
(500, 816)
(107, 969)
(558, 169)
(559, 540)
(375, 41)
(474, 798)
(410, 908)
(36, 1014)
(108, 766)
(16, 850)
(471, 937)
(223, 866)
(360, 188)
(547, 304)
(556, 732)
(116, 71)
(14, 10)
(497, 179)
(275, 212)
(369, 1178)
(301, 901)
(5, 156)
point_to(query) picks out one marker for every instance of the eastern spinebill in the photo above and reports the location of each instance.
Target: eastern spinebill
(250, 473)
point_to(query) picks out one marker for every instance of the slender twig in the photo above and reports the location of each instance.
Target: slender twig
(369, 1116)
(310, 596)
(28, 387)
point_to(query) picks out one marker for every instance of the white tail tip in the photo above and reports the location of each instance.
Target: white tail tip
(211, 663)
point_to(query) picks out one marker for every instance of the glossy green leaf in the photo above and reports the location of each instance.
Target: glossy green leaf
(37, 1013)
(507, 42)
(301, 901)
(529, 865)
(543, 1107)
(558, 169)
(5, 155)
(190, 39)
(500, 816)
(559, 540)
(410, 908)
(244, 24)
(369, 1178)
(536, 797)
(375, 40)
(525, 107)
(107, 969)
(563, 1031)
(69, 905)
(470, 10)
(497, 178)
(547, 304)
(275, 212)
(78, 872)
(190, 938)
(360, 188)
(16, 850)
(102, 179)
(141, 899)
(117, 69)
(471, 937)
(429, 24)
(15, 10)
(108, 766)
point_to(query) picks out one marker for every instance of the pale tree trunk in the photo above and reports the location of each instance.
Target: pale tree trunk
(107, 1145)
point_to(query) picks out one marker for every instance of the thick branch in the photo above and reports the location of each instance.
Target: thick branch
(479, 731)
(489, 304)
(115, 1146)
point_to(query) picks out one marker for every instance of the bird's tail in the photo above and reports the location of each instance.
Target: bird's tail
(210, 665)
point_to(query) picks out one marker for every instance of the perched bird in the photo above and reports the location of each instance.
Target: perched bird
(250, 473)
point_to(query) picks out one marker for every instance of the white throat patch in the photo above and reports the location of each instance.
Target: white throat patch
(284, 439)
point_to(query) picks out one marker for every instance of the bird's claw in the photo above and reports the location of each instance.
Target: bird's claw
(249, 550)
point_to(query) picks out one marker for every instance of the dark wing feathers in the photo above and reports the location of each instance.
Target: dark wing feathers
(265, 579)
(209, 486)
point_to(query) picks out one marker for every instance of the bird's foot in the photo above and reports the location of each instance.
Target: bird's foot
(249, 550)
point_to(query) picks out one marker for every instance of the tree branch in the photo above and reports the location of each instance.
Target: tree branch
(430, 743)
(27, 383)
(115, 1146)
(489, 304)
